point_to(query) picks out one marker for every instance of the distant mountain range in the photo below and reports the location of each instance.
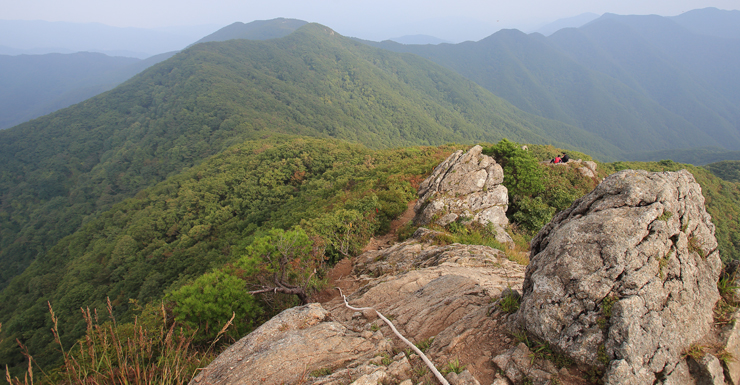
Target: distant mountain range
(711, 22)
(41, 37)
(642, 83)
(569, 22)
(419, 39)
(35, 85)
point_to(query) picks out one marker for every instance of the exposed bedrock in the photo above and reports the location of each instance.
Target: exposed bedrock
(627, 276)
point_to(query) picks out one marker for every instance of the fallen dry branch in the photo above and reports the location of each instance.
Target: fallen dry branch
(421, 354)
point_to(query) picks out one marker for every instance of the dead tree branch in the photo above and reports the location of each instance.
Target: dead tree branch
(421, 354)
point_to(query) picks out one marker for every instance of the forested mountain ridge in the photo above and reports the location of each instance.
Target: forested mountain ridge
(35, 85)
(711, 21)
(691, 75)
(199, 220)
(642, 83)
(58, 171)
(256, 30)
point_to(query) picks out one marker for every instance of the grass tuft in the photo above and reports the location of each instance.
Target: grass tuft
(149, 351)
(453, 366)
(509, 303)
(423, 345)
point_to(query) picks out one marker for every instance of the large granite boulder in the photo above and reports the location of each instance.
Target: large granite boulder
(626, 278)
(464, 185)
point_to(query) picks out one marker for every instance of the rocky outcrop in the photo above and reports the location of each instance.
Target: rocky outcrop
(586, 168)
(625, 278)
(730, 341)
(442, 294)
(283, 350)
(465, 185)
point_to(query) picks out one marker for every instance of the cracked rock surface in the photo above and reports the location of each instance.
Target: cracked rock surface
(465, 185)
(281, 350)
(441, 294)
(627, 275)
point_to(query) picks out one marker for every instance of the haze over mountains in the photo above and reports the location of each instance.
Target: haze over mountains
(642, 83)
(617, 87)
(619, 68)
(35, 85)
(42, 37)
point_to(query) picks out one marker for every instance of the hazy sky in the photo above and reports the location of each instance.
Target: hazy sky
(376, 19)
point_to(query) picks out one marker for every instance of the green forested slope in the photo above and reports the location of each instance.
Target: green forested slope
(539, 78)
(196, 221)
(728, 170)
(56, 172)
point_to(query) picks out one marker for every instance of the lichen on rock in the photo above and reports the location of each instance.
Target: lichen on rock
(626, 277)
(465, 185)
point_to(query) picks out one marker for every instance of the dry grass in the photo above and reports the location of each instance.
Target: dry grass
(131, 354)
(520, 252)
(728, 302)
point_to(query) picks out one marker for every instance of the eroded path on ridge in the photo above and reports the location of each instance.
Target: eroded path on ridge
(341, 274)
(387, 240)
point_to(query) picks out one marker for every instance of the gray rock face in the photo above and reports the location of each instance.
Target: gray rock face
(588, 169)
(642, 242)
(281, 349)
(518, 363)
(707, 370)
(429, 291)
(465, 184)
(732, 346)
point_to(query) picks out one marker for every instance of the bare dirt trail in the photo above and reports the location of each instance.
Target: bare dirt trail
(341, 274)
(387, 240)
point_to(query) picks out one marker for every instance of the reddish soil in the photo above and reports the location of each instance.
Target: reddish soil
(387, 240)
(340, 276)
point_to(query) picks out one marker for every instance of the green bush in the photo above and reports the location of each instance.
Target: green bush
(284, 262)
(522, 174)
(532, 213)
(537, 191)
(208, 303)
(345, 232)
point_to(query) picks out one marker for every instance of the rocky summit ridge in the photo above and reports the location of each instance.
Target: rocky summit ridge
(620, 288)
(431, 293)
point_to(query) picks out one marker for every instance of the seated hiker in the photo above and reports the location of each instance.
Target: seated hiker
(565, 158)
(556, 160)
